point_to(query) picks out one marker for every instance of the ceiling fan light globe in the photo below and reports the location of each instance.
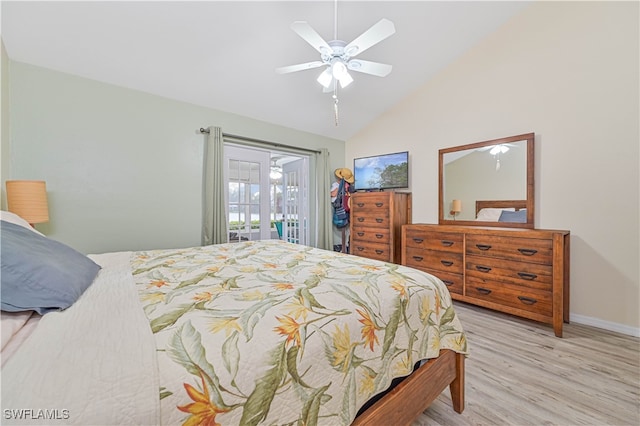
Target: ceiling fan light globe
(345, 80)
(338, 70)
(325, 78)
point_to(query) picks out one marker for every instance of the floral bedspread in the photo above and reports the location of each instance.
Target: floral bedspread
(269, 332)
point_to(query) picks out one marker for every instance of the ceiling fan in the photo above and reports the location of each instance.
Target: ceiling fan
(337, 56)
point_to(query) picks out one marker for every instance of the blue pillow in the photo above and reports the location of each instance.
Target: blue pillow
(515, 217)
(40, 274)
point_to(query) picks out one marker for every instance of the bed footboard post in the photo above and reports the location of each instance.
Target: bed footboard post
(457, 386)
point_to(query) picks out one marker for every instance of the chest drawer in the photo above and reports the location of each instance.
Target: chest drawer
(371, 250)
(441, 241)
(432, 259)
(520, 273)
(371, 201)
(454, 282)
(519, 249)
(376, 235)
(370, 219)
(515, 296)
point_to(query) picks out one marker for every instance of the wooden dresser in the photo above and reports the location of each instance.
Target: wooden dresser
(376, 224)
(523, 272)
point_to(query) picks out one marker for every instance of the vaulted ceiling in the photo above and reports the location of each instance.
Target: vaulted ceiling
(223, 55)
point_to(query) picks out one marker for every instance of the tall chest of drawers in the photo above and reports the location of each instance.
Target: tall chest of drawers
(523, 272)
(376, 224)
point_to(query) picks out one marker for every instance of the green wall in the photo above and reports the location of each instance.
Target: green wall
(123, 168)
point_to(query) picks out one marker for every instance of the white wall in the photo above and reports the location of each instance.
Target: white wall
(567, 71)
(123, 168)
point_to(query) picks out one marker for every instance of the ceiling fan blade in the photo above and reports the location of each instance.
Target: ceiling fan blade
(368, 67)
(299, 67)
(308, 34)
(378, 32)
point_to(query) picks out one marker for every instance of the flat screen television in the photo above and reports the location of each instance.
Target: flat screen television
(388, 171)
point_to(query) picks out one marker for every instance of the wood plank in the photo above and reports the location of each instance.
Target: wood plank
(519, 373)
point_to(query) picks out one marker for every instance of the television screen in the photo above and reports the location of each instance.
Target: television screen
(382, 171)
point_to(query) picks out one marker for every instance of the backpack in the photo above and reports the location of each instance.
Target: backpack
(340, 213)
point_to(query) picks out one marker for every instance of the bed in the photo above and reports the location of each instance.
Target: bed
(514, 211)
(255, 332)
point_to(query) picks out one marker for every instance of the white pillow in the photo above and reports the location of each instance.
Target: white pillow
(491, 214)
(14, 218)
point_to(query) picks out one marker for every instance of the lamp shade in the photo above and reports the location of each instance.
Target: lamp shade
(456, 206)
(28, 199)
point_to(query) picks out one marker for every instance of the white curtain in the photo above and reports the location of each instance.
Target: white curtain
(214, 208)
(323, 185)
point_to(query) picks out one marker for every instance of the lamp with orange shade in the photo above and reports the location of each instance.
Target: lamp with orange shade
(456, 208)
(28, 199)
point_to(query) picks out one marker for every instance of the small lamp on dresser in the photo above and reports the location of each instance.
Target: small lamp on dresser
(28, 199)
(456, 208)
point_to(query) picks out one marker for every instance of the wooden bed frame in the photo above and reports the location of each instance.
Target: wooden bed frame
(404, 403)
(500, 204)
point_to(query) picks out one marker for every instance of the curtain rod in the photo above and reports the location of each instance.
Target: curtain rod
(260, 141)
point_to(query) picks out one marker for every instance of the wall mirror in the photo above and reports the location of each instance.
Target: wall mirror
(488, 183)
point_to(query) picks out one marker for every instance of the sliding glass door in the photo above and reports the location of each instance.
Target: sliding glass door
(296, 201)
(267, 195)
(247, 193)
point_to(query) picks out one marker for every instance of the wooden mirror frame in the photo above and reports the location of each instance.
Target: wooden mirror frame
(529, 203)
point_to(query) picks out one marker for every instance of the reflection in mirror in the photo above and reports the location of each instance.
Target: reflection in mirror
(478, 181)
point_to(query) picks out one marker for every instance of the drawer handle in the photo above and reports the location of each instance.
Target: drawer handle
(527, 252)
(483, 290)
(379, 220)
(418, 240)
(447, 243)
(483, 247)
(360, 248)
(360, 234)
(527, 276)
(418, 258)
(360, 204)
(379, 204)
(446, 262)
(527, 300)
(379, 236)
(378, 251)
(483, 268)
(361, 219)
(447, 283)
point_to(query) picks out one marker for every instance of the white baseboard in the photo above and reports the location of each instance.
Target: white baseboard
(606, 325)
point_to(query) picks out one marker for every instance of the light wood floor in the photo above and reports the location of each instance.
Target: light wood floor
(519, 373)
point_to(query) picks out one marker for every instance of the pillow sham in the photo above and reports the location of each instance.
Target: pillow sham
(490, 214)
(14, 218)
(514, 217)
(41, 274)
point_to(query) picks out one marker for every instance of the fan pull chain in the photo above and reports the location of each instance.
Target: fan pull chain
(335, 108)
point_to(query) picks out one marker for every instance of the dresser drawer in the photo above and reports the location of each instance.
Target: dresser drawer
(371, 250)
(525, 274)
(441, 241)
(371, 201)
(432, 259)
(519, 249)
(375, 235)
(454, 282)
(378, 219)
(515, 296)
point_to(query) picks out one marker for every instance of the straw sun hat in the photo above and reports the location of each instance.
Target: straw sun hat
(345, 174)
